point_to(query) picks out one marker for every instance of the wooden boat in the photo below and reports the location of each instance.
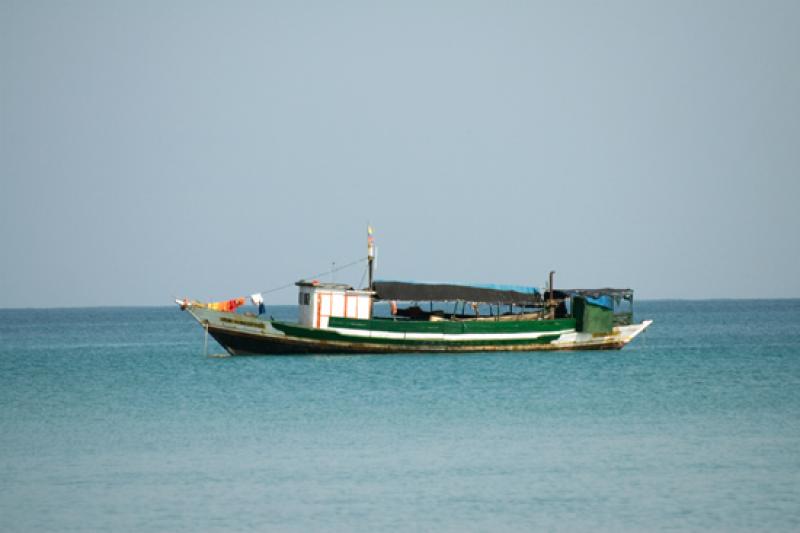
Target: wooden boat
(430, 318)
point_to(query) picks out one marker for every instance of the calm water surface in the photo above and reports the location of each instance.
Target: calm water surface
(113, 419)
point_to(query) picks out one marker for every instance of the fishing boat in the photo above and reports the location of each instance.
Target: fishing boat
(415, 317)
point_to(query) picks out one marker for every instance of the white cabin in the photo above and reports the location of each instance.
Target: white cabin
(319, 301)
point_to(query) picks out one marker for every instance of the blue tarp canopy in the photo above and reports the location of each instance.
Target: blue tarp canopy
(603, 297)
(601, 301)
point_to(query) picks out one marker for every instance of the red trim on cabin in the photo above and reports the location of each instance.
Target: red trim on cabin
(319, 307)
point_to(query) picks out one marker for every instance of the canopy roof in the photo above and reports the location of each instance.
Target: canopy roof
(480, 293)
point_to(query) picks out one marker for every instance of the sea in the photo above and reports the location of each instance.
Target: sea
(121, 420)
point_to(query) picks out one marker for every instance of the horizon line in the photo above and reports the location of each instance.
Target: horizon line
(160, 306)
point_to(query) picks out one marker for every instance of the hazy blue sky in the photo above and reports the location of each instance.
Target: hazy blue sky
(152, 149)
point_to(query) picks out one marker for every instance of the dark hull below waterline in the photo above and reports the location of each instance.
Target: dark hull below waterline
(237, 343)
(242, 344)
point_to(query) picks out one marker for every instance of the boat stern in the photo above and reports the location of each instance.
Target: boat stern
(628, 333)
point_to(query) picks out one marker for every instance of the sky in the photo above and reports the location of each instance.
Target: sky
(160, 149)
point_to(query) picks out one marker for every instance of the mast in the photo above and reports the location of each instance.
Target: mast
(370, 254)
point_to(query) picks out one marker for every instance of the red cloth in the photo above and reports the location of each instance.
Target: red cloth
(228, 306)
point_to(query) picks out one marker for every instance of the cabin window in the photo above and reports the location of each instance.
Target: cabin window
(306, 299)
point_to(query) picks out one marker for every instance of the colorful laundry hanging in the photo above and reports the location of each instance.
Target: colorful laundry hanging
(228, 306)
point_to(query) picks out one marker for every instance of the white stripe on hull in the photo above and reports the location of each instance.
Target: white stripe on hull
(622, 334)
(452, 337)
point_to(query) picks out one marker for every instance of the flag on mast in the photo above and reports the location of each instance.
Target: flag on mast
(370, 243)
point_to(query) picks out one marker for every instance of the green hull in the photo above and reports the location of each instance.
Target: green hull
(241, 335)
(409, 344)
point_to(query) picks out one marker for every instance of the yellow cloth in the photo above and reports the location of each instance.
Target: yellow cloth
(228, 306)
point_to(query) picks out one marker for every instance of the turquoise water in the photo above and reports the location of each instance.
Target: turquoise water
(114, 420)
